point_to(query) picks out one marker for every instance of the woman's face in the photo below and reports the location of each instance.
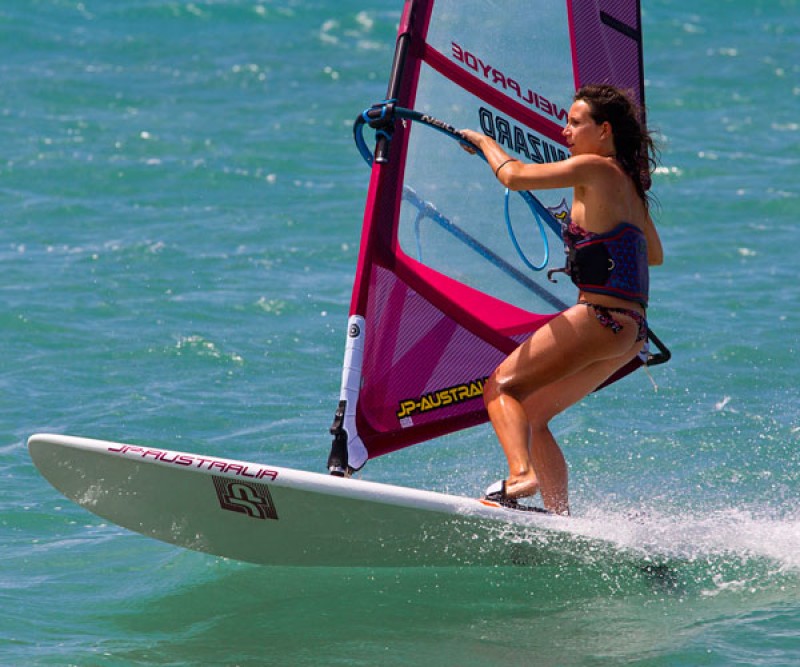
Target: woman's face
(583, 134)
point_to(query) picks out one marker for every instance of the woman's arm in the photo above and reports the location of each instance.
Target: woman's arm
(516, 175)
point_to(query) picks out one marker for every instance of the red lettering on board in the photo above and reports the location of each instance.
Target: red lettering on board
(200, 462)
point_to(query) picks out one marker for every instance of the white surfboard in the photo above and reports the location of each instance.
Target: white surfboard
(278, 516)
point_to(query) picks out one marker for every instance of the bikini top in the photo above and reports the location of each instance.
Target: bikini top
(614, 263)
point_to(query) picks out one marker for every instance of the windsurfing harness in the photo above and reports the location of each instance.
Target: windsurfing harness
(614, 263)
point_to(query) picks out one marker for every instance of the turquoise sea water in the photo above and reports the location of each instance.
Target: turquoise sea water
(180, 204)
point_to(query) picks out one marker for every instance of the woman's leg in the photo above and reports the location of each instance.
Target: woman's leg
(541, 406)
(572, 342)
(514, 434)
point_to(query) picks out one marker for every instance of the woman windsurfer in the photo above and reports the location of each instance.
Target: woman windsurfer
(611, 241)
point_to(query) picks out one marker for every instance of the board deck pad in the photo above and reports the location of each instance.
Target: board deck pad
(279, 516)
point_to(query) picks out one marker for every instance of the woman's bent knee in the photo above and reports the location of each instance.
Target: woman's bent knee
(498, 385)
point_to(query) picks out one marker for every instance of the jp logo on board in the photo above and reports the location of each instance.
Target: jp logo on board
(248, 498)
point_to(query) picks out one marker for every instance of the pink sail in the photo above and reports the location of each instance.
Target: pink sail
(441, 294)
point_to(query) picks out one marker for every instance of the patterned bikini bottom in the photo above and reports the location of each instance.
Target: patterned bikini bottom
(605, 315)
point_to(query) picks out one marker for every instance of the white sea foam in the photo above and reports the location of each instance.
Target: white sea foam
(734, 534)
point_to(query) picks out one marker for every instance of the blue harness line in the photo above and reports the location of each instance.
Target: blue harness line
(538, 217)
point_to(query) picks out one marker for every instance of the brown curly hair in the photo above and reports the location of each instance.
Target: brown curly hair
(635, 150)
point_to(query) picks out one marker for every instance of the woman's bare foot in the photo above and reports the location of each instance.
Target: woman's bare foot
(522, 487)
(512, 490)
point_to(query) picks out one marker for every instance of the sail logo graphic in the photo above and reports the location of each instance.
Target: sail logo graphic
(249, 498)
(501, 81)
(561, 212)
(519, 139)
(441, 398)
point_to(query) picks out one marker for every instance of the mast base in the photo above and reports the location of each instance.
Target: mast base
(337, 459)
